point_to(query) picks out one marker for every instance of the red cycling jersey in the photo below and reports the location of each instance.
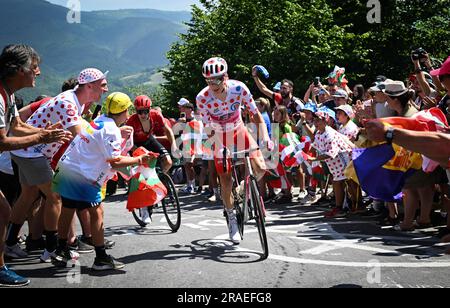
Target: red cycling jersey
(140, 136)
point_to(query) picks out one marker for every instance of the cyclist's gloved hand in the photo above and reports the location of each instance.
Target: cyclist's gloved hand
(146, 158)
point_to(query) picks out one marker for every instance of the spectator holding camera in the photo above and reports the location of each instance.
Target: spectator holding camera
(321, 95)
(422, 82)
(443, 74)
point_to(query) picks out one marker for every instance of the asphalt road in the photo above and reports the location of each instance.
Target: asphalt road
(306, 250)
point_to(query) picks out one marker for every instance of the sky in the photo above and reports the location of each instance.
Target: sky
(166, 5)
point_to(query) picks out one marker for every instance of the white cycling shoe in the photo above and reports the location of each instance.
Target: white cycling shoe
(233, 229)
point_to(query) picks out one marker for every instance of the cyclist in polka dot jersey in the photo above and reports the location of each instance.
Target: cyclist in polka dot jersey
(219, 105)
(220, 113)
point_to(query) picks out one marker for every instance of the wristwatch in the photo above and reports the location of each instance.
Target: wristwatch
(389, 136)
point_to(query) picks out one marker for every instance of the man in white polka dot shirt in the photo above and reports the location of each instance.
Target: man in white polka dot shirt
(35, 172)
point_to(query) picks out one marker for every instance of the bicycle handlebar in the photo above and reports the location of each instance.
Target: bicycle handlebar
(234, 154)
(246, 152)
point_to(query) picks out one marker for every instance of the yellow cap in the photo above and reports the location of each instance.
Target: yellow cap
(117, 102)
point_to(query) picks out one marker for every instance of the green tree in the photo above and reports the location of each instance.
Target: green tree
(405, 25)
(300, 39)
(294, 39)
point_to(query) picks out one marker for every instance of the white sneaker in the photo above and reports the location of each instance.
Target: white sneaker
(74, 255)
(66, 258)
(187, 190)
(233, 229)
(145, 216)
(15, 252)
(47, 256)
(213, 198)
(302, 195)
(309, 199)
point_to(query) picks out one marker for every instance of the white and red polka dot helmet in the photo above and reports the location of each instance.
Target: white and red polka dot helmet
(91, 75)
(214, 67)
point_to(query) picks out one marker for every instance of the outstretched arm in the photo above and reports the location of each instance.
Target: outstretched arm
(24, 141)
(261, 86)
(434, 145)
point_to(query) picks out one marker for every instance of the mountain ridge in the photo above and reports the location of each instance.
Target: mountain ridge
(125, 42)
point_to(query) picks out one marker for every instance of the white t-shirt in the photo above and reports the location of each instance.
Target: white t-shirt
(5, 163)
(85, 166)
(8, 109)
(350, 130)
(383, 111)
(64, 108)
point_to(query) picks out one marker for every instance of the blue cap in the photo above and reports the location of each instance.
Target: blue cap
(277, 86)
(310, 106)
(328, 111)
(322, 91)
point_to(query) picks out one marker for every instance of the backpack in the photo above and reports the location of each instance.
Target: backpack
(178, 176)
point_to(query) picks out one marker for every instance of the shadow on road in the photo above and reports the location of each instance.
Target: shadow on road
(205, 249)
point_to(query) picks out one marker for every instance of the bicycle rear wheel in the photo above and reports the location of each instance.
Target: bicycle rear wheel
(171, 203)
(257, 204)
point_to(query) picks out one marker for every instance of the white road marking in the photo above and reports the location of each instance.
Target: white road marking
(321, 249)
(195, 226)
(346, 244)
(213, 223)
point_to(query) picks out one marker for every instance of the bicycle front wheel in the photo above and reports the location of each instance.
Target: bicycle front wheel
(138, 217)
(171, 203)
(258, 204)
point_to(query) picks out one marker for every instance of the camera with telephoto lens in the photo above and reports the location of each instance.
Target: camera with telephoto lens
(316, 81)
(419, 54)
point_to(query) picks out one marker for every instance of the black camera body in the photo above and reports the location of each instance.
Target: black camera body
(419, 54)
(316, 81)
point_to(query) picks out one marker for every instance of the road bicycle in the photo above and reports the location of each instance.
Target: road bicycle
(170, 205)
(248, 204)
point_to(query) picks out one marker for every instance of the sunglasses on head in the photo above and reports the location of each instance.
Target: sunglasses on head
(144, 111)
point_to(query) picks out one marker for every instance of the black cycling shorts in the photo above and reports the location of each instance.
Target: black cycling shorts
(78, 205)
(154, 146)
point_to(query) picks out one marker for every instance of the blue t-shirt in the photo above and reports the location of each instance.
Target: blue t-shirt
(266, 118)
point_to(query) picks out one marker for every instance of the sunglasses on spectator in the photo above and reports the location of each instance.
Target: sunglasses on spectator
(214, 81)
(144, 111)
